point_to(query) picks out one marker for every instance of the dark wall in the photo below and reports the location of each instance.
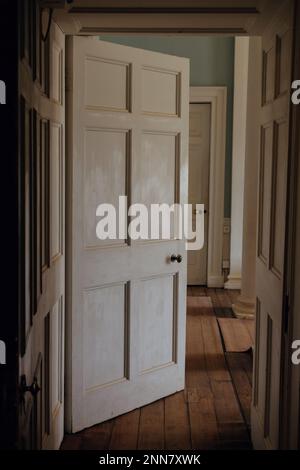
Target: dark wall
(9, 221)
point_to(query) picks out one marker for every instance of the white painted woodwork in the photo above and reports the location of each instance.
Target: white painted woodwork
(164, 86)
(105, 93)
(199, 162)
(126, 301)
(274, 120)
(44, 349)
(216, 97)
(115, 160)
(2, 92)
(238, 161)
(55, 189)
(2, 353)
(244, 307)
(236, 18)
(226, 243)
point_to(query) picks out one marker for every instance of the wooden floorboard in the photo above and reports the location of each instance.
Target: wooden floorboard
(224, 298)
(213, 350)
(125, 431)
(237, 334)
(71, 442)
(199, 291)
(204, 427)
(225, 312)
(177, 424)
(151, 430)
(213, 412)
(239, 366)
(226, 405)
(97, 437)
(197, 378)
(233, 432)
(233, 295)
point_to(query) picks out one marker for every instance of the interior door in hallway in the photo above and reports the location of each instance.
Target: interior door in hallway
(199, 161)
(274, 154)
(126, 299)
(42, 238)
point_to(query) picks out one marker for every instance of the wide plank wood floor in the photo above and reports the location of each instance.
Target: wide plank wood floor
(213, 412)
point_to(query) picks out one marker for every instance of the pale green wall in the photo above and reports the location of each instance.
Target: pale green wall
(212, 64)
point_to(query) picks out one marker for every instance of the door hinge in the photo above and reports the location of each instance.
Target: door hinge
(2, 353)
(286, 312)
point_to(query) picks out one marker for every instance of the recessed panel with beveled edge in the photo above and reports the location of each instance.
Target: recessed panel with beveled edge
(157, 314)
(160, 92)
(106, 178)
(107, 84)
(105, 331)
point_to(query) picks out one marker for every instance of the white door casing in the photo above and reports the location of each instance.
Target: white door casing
(241, 54)
(128, 135)
(274, 150)
(199, 160)
(217, 98)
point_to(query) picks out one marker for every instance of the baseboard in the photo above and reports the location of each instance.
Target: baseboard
(216, 282)
(196, 284)
(244, 309)
(233, 283)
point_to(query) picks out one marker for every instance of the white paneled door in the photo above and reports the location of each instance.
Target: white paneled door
(274, 150)
(128, 135)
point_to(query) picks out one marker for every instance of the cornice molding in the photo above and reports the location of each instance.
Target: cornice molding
(166, 10)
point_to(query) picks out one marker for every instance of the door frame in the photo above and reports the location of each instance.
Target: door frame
(290, 437)
(71, 26)
(217, 98)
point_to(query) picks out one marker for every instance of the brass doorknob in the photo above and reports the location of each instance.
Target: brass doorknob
(177, 258)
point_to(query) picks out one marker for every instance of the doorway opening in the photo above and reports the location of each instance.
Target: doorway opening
(126, 300)
(210, 116)
(209, 365)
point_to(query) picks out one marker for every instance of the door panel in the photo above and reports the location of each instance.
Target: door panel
(128, 135)
(42, 185)
(149, 185)
(199, 164)
(97, 185)
(160, 91)
(157, 316)
(107, 94)
(104, 309)
(277, 47)
(56, 167)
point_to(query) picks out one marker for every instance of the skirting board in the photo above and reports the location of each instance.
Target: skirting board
(216, 282)
(233, 283)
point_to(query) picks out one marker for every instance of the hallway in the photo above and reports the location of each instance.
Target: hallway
(213, 412)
